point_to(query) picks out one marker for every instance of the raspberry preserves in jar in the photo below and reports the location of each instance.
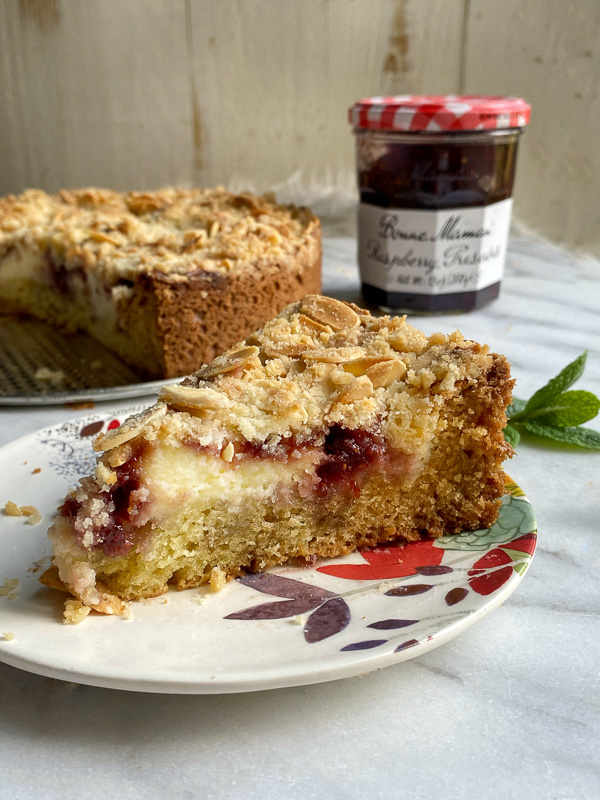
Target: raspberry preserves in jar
(436, 177)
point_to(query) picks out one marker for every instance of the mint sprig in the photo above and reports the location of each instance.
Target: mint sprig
(555, 413)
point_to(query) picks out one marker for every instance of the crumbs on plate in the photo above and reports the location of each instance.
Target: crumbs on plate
(75, 612)
(31, 512)
(10, 588)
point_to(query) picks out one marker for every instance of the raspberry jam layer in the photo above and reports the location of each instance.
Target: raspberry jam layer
(337, 461)
(349, 455)
(112, 518)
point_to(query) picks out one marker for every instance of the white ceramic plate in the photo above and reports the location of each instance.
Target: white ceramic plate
(288, 627)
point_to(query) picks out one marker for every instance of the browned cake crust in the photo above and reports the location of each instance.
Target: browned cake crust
(167, 279)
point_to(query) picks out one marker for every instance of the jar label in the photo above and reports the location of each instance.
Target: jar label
(433, 251)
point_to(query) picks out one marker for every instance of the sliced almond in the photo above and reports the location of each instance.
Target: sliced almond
(143, 203)
(386, 372)
(190, 397)
(361, 365)
(357, 389)
(334, 355)
(330, 312)
(291, 349)
(312, 325)
(119, 456)
(228, 452)
(230, 361)
(99, 236)
(132, 427)
(51, 579)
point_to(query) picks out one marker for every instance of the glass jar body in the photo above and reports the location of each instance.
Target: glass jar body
(434, 216)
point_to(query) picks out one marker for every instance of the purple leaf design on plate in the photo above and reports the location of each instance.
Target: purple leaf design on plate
(286, 608)
(364, 645)
(284, 587)
(406, 645)
(408, 591)
(91, 428)
(434, 570)
(392, 624)
(329, 619)
(454, 596)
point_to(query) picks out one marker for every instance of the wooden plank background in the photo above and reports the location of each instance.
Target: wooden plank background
(254, 93)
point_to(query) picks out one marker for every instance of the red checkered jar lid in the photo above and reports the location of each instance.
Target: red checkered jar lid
(439, 113)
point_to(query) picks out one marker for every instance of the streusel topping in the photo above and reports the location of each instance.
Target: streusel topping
(321, 362)
(173, 231)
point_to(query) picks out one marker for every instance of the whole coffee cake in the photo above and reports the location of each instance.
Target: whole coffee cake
(167, 280)
(327, 430)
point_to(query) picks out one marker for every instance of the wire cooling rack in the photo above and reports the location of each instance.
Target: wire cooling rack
(40, 365)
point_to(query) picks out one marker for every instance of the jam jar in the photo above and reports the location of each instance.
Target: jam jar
(436, 176)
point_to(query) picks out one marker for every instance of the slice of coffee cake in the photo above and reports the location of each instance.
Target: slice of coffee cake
(327, 430)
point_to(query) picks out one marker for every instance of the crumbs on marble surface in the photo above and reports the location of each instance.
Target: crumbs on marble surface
(10, 588)
(8, 636)
(31, 512)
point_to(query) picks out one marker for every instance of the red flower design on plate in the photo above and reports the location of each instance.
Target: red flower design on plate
(390, 562)
(495, 568)
(114, 423)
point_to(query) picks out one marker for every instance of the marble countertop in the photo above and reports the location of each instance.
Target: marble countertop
(509, 709)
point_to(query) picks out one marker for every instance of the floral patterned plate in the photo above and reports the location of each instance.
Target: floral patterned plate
(286, 627)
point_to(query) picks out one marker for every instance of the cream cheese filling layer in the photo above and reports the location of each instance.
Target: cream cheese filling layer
(182, 475)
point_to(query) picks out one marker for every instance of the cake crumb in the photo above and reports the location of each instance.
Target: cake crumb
(31, 512)
(52, 376)
(75, 612)
(8, 636)
(299, 619)
(12, 509)
(200, 598)
(84, 404)
(36, 471)
(218, 579)
(36, 566)
(10, 588)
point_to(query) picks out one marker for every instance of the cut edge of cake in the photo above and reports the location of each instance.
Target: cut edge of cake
(327, 430)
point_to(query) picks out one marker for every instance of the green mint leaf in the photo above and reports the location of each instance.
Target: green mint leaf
(548, 393)
(582, 437)
(515, 407)
(569, 409)
(512, 435)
